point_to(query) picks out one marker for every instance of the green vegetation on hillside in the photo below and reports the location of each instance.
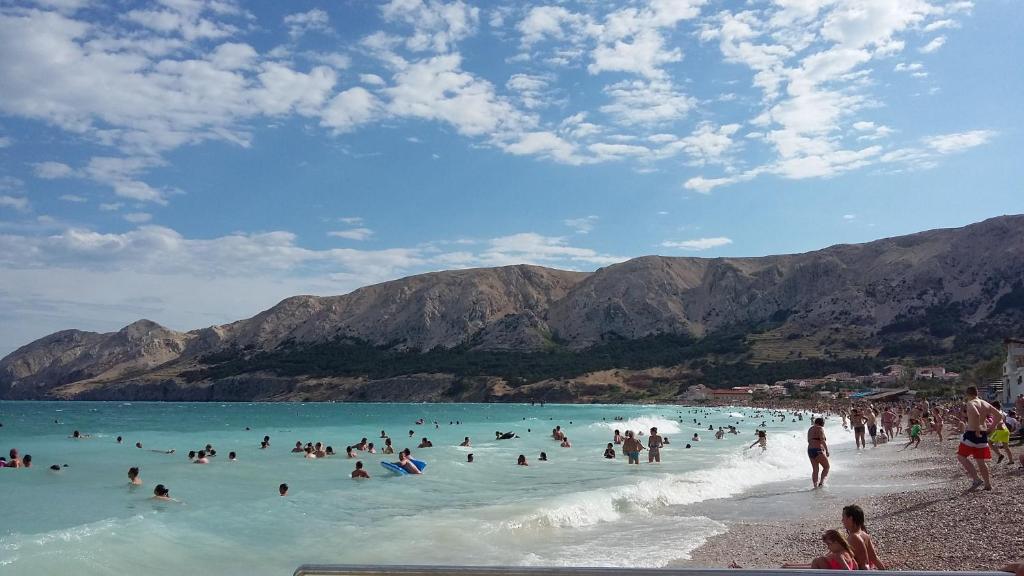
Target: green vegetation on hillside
(357, 358)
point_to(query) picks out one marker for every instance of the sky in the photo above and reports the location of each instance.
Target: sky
(196, 161)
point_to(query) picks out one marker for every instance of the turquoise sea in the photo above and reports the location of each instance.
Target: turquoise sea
(575, 509)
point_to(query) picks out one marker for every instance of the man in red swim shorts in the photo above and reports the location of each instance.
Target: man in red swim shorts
(974, 443)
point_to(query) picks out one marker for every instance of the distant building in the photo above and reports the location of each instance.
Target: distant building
(732, 395)
(895, 370)
(934, 373)
(1013, 370)
(697, 392)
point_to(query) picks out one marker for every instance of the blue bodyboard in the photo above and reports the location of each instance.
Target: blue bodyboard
(393, 467)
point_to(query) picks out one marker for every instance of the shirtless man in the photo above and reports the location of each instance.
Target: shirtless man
(817, 451)
(863, 548)
(858, 420)
(975, 439)
(654, 444)
(359, 472)
(871, 416)
(631, 447)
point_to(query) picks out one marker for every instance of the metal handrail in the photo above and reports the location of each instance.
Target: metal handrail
(384, 570)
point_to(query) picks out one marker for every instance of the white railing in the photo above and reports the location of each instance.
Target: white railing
(383, 570)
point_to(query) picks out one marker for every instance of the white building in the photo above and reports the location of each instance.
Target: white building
(697, 392)
(1013, 371)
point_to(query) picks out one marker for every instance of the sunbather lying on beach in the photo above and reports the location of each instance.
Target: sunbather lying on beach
(1017, 569)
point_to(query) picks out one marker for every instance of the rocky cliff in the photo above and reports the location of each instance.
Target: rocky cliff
(925, 294)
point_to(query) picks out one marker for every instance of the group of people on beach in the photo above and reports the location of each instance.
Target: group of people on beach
(983, 429)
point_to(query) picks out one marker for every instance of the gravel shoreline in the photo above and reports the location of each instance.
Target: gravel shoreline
(931, 528)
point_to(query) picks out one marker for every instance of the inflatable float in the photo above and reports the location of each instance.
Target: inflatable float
(394, 467)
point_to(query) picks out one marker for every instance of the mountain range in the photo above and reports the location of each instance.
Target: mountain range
(641, 329)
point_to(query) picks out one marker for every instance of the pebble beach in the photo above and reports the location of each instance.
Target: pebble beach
(934, 526)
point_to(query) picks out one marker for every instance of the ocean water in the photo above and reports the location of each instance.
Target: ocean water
(577, 509)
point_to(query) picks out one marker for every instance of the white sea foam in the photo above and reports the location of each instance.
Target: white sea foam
(739, 471)
(641, 424)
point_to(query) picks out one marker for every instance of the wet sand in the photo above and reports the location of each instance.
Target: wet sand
(934, 526)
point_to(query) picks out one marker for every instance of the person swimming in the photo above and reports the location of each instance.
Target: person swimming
(201, 458)
(298, 447)
(359, 472)
(282, 490)
(522, 460)
(505, 435)
(161, 492)
(465, 442)
(133, 476)
(609, 452)
(543, 457)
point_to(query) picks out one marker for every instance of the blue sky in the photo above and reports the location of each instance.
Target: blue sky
(195, 161)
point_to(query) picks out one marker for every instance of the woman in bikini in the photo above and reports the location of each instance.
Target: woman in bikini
(839, 557)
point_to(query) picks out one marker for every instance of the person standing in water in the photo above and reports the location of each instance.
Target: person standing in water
(631, 447)
(974, 443)
(654, 444)
(762, 439)
(857, 420)
(817, 451)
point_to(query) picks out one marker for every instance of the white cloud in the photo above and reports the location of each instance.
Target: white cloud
(351, 220)
(957, 142)
(138, 217)
(335, 60)
(871, 131)
(646, 102)
(708, 144)
(371, 79)
(582, 225)
(52, 170)
(111, 206)
(120, 173)
(849, 217)
(908, 67)
(180, 20)
(941, 24)
(438, 89)
(698, 244)
(544, 144)
(300, 23)
(74, 198)
(359, 234)
(19, 203)
(532, 89)
(6, 141)
(933, 46)
(233, 56)
(436, 25)
(532, 248)
(552, 22)
(350, 109)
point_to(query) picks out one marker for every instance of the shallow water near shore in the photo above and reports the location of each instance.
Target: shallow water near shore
(576, 509)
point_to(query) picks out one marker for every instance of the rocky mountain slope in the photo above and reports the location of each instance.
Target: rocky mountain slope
(935, 293)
